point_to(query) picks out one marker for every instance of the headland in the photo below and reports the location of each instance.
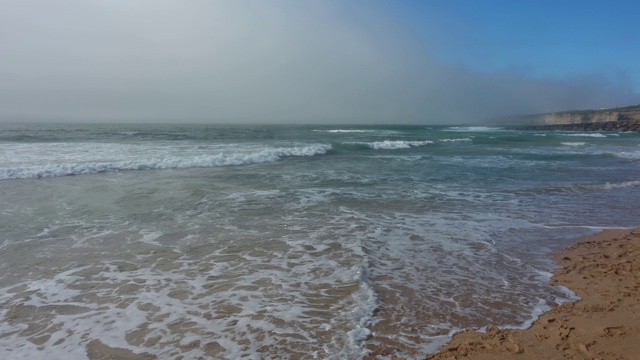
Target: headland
(612, 119)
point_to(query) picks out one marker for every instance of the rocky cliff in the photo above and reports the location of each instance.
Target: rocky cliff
(630, 113)
(622, 125)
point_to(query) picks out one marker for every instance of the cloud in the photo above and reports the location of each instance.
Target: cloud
(253, 61)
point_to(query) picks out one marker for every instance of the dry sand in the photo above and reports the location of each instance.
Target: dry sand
(604, 270)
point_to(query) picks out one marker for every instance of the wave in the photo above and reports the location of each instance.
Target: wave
(394, 144)
(593, 135)
(573, 143)
(622, 185)
(199, 161)
(593, 187)
(345, 131)
(634, 155)
(473, 128)
(456, 140)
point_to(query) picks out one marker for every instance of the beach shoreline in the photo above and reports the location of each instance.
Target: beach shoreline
(603, 271)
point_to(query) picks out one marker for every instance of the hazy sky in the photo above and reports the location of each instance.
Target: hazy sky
(305, 61)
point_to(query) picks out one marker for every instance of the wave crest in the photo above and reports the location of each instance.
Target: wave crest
(593, 135)
(199, 161)
(394, 145)
(622, 185)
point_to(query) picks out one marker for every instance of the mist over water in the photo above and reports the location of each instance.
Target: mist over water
(290, 241)
(303, 62)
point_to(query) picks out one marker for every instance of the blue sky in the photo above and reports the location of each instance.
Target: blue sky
(313, 61)
(540, 38)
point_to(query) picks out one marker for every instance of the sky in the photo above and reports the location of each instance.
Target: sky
(314, 61)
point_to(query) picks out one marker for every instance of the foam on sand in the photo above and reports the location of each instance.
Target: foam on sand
(603, 324)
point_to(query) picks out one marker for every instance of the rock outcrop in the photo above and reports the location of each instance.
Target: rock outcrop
(618, 119)
(624, 125)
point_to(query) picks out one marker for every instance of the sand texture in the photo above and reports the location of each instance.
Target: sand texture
(604, 270)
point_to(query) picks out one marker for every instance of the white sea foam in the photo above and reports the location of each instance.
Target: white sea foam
(149, 237)
(635, 155)
(335, 259)
(362, 315)
(594, 229)
(573, 143)
(346, 131)
(395, 144)
(456, 140)
(540, 308)
(621, 185)
(593, 135)
(80, 160)
(473, 128)
(173, 304)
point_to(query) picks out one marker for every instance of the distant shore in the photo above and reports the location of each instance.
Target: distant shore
(622, 125)
(604, 270)
(611, 119)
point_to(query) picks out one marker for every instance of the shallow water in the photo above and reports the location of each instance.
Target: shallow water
(290, 242)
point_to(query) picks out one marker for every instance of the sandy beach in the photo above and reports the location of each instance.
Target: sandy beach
(603, 270)
(174, 241)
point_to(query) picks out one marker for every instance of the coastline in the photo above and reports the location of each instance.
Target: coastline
(603, 271)
(620, 125)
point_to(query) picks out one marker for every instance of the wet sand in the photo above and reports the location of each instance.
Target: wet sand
(604, 270)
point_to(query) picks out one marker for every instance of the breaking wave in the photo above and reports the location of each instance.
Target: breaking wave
(634, 155)
(456, 140)
(393, 145)
(168, 162)
(573, 143)
(621, 185)
(473, 128)
(593, 135)
(345, 131)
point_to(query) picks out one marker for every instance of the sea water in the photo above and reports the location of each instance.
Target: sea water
(299, 242)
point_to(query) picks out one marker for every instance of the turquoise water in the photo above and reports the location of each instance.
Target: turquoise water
(291, 241)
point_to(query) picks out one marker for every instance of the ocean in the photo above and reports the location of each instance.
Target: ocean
(291, 242)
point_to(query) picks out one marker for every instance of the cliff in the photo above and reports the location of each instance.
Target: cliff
(621, 125)
(629, 113)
